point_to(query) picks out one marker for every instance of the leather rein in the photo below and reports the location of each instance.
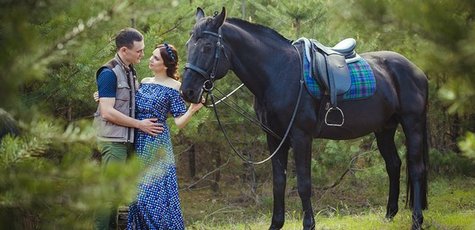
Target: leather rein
(208, 86)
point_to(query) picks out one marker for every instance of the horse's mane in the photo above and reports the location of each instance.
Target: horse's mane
(257, 28)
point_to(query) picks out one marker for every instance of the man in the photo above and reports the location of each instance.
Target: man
(115, 117)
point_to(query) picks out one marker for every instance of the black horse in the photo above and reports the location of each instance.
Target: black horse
(270, 67)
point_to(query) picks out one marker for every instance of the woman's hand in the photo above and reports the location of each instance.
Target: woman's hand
(195, 107)
(181, 121)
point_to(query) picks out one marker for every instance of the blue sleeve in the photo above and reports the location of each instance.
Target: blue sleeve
(107, 83)
(178, 106)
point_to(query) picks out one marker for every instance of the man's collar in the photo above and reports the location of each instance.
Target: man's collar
(126, 67)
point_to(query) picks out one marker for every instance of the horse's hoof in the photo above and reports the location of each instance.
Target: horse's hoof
(388, 219)
(390, 214)
(275, 227)
(310, 228)
(417, 223)
(416, 227)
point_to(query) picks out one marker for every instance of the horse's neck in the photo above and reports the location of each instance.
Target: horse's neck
(258, 61)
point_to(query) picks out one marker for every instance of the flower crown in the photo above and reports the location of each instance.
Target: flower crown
(170, 52)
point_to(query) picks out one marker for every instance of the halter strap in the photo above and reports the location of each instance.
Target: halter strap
(209, 74)
(197, 69)
(218, 35)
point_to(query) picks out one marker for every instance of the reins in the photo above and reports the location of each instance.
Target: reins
(225, 97)
(208, 87)
(242, 111)
(282, 140)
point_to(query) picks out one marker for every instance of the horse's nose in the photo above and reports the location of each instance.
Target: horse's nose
(189, 95)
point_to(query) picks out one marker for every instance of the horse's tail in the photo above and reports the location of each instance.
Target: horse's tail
(425, 155)
(425, 159)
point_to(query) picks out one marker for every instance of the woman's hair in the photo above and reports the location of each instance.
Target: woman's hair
(170, 59)
(126, 37)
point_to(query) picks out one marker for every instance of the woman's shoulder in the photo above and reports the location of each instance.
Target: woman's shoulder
(169, 83)
(146, 80)
(174, 84)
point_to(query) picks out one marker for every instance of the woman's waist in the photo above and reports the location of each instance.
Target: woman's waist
(142, 116)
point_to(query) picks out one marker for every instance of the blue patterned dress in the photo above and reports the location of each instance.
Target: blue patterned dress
(157, 205)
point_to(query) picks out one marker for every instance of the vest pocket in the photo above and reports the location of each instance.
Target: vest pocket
(109, 129)
(123, 99)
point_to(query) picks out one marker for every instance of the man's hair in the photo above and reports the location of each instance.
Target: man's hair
(127, 37)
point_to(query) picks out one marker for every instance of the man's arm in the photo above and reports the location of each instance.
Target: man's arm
(108, 112)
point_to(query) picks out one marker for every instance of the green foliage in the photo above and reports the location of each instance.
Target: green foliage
(468, 145)
(49, 178)
(335, 157)
(52, 50)
(450, 164)
(290, 19)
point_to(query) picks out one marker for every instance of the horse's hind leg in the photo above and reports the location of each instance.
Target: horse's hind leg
(387, 148)
(415, 130)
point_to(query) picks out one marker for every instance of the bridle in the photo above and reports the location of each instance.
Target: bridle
(208, 86)
(210, 77)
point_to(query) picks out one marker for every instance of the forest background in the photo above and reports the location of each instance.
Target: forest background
(51, 50)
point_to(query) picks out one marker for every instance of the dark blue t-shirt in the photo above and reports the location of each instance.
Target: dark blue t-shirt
(107, 83)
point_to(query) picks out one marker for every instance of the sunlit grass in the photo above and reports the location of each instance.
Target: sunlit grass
(372, 220)
(451, 206)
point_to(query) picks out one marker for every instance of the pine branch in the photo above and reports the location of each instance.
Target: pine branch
(76, 31)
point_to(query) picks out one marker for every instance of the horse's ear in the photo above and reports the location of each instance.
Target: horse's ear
(219, 19)
(199, 14)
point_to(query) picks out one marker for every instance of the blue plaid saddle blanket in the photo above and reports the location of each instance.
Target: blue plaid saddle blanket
(363, 83)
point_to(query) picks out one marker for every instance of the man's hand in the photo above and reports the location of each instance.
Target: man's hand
(95, 95)
(109, 113)
(150, 126)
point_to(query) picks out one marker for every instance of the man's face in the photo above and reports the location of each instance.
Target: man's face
(134, 55)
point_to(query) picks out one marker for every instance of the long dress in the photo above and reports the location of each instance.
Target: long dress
(157, 205)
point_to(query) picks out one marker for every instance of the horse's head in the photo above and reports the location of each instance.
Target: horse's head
(207, 60)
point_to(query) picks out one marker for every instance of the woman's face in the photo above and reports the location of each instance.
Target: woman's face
(156, 62)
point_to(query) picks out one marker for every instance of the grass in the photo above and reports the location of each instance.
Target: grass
(451, 206)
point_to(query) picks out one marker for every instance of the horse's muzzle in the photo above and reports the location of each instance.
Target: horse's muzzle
(191, 95)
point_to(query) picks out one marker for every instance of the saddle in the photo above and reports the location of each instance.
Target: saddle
(329, 68)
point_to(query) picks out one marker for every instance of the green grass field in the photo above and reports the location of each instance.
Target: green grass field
(451, 206)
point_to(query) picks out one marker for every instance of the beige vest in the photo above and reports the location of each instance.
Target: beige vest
(124, 103)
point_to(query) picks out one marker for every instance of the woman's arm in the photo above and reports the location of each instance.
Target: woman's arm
(182, 120)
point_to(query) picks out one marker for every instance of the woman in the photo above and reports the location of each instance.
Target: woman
(158, 205)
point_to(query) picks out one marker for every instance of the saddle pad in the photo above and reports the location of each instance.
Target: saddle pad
(363, 83)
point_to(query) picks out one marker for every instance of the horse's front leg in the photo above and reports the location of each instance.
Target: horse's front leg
(302, 146)
(279, 167)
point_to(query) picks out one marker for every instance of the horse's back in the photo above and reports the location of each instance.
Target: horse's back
(402, 76)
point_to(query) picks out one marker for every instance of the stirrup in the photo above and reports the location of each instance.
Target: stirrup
(335, 124)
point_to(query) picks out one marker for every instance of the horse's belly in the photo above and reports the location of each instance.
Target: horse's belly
(344, 132)
(360, 118)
